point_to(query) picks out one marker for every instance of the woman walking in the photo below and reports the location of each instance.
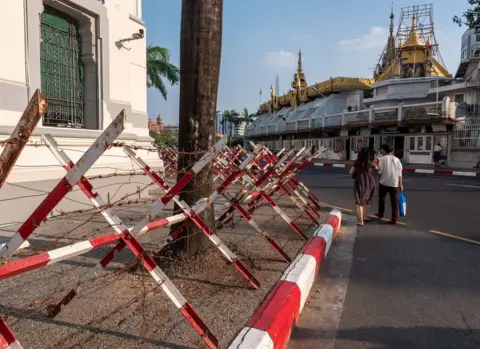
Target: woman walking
(364, 185)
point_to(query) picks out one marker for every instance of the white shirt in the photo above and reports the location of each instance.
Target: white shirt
(437, 148)
(390, 168)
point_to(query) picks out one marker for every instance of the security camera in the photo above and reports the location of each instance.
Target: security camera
(138, 35)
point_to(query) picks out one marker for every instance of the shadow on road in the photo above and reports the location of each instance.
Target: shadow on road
(401, 338)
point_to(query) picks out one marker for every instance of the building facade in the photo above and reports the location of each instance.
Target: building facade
(89, 60)
(220, 123)
(238, 130)
(412, 103)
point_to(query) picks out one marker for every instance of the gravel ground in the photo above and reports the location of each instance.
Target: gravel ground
(124, 308)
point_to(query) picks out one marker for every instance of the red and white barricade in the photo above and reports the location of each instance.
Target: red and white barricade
(261, 193)
(299, 186)
(243, 194)
(124, 236)
(127, 239)
(219, 191)
(195, 218)
(64, 186)
(7, 338)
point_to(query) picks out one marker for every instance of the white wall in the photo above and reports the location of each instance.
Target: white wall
(12, 68)
(124, 83)
(123, 71)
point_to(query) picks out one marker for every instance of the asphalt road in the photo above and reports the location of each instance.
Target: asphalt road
(447, 204)
(407, 289)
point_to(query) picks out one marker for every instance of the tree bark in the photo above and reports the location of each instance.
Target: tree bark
(200, 55)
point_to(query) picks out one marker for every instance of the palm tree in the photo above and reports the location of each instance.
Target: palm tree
(159, 67)
(231, 116)
(246, 116)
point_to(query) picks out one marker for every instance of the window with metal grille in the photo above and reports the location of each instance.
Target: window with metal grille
(61, 69)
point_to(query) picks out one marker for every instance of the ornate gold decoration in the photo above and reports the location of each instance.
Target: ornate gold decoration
(293, 99)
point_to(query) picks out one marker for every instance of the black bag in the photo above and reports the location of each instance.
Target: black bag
(354, 174)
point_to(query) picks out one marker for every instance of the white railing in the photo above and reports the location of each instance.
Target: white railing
(422, 111)
(333, 120)
(385, 114)
(271, 128)
(399, 113)
(466, 137)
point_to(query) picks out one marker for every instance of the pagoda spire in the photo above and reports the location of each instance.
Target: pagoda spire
(390, 50)
(299, 80)
(413, 38)
(389, 55)
(300, 63)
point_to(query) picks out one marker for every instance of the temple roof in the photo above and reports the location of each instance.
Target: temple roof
(422, 62)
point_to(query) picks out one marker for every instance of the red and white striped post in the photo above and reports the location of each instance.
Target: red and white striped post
(137, 249)
(7, 338)
(23, 265)
(64, 186)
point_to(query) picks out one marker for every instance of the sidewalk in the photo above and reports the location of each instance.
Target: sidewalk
(425, 169)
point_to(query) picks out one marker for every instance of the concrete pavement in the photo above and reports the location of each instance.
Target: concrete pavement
(406, 288)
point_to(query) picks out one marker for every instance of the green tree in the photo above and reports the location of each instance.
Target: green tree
(164, 137)
(231, 116)
(471, 17)
(160, 68)
(246, 116)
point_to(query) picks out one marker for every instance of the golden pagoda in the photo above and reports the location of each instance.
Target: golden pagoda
(414, 58)
(302, 93)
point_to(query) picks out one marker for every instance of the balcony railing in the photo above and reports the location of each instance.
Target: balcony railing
(402, 113)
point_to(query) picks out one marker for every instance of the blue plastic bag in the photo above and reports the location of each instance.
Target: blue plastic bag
(402, 204)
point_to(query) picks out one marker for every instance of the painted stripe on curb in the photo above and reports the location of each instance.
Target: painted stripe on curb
(411, 170)
(271, 325)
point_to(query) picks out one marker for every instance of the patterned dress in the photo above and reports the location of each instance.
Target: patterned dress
(364, 186)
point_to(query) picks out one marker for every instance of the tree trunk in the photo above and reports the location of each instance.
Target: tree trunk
(200, 54)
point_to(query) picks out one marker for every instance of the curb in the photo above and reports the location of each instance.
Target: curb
(414, 170)
(271, 325)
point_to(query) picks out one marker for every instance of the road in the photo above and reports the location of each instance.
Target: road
(447, 204)
(405, 287)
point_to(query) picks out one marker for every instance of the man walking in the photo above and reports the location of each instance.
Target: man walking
(390, 172)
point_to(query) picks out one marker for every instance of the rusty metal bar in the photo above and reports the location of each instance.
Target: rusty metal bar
(36, 108)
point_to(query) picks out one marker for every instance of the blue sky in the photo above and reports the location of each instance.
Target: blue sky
(262, 37)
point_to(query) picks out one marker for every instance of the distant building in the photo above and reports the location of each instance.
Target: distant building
(238, 130)
(470, 45)
(171, 128)
(221, 125)
(155, 126)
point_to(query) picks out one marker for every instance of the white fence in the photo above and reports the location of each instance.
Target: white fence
(466, 136)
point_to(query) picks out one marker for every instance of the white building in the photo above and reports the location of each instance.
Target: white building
(73, 51)
(238, 130)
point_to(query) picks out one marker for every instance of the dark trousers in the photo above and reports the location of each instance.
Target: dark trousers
(383, 190)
